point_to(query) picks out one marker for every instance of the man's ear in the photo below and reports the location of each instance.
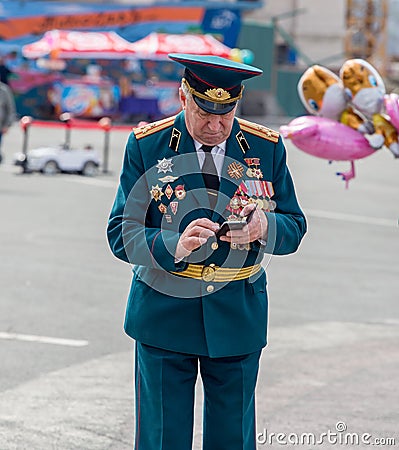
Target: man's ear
(183, 98)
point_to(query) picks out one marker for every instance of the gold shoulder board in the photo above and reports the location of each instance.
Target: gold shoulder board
(259, 130)
(153, 127)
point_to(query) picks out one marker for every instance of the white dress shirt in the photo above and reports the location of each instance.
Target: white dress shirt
(217, 152)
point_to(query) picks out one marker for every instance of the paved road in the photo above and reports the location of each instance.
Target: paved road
(66, 371)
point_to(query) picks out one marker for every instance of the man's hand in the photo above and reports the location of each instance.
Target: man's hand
(254, 230)
(196, 234)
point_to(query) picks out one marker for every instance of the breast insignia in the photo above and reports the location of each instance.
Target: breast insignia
(175, 139)
(259, 130)
(242, 142)
(150, 128)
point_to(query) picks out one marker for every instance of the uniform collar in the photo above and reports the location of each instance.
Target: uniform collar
(221, 146)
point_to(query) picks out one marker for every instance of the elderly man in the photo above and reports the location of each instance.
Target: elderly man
(203, 196)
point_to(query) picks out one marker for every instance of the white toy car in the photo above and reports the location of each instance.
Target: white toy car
(51, 160)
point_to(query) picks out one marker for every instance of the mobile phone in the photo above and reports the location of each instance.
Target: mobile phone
(230, 225)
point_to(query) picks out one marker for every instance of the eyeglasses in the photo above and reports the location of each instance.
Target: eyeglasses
(203, 115)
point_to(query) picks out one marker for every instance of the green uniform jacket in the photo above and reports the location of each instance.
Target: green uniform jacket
(162, 190)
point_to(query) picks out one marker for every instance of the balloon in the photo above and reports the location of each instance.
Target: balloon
(391, 102)
(326, 138)
(235, 54)
(247, 56)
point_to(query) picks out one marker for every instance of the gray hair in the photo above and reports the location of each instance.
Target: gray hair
(185, 90)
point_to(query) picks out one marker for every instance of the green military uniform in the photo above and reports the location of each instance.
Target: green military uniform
(212, 304)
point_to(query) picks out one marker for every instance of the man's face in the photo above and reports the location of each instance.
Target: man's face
(206, 128)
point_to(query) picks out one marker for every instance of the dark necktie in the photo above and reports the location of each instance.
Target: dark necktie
(210, 175)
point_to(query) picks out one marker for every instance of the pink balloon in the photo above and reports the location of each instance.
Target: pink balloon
(391, 102)
(326, 138)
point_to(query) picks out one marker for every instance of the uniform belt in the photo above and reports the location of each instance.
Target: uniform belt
(218, 274)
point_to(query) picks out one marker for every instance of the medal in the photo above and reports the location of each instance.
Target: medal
(156, 192)
(168, 179)
(173, 207)
(257, 173)
(249, 172)
(162, 208)
(259, 188)
(244, 201)
(253, 172)
(180, 191)
(168, 191)
(242, 189)
(164, 165)
(235, 203)
(259, 201)
(235, 170)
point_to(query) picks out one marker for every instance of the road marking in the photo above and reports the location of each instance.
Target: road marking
(43, 339)
(320, 214)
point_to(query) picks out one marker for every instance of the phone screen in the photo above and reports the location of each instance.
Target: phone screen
(230, 225)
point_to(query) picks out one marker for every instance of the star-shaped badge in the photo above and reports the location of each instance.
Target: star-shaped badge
(164, 165)
(156, 192)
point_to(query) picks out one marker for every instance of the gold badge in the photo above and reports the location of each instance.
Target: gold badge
(169, 191)
(217, 94)
(209, 273)
(156, 192)
(162, 208)
(214, 246)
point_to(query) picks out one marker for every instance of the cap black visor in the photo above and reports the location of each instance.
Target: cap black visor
(214, 108)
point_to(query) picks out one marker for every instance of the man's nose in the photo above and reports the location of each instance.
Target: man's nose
(214, 122)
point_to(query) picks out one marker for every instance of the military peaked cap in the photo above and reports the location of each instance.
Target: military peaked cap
(214, 82)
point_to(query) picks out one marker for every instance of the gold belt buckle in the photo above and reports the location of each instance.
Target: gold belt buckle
(208, 273)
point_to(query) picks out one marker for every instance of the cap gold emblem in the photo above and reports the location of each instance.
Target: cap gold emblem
(217, 94)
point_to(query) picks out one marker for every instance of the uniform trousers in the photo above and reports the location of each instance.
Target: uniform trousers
(165, 394)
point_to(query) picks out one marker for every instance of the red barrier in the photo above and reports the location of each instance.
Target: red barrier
(67, 122)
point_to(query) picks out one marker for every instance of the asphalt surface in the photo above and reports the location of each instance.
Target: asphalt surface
(66, 368)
